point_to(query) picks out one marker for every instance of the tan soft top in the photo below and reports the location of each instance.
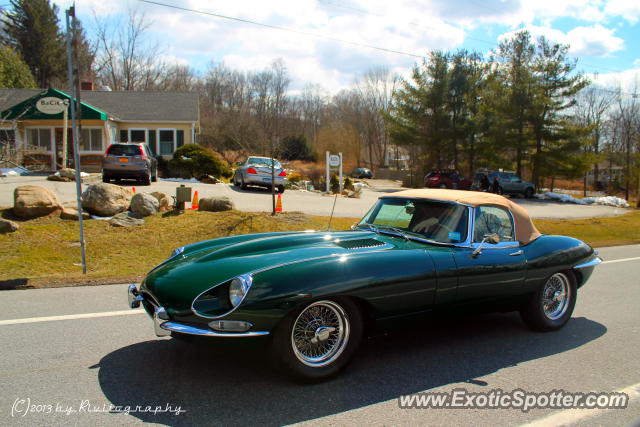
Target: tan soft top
(525, 230)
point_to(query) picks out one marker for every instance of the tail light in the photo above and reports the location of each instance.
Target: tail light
(144, 156)
(107, 151)
(283, 173)
(252, 170)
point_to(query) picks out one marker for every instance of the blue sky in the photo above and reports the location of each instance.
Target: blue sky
(604, 35)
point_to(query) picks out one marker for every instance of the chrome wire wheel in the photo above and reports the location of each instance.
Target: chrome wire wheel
(320, 334)
(556, 296)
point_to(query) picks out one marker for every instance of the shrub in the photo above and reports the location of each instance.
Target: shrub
(334, 184)
(196, 160)
(348, 185)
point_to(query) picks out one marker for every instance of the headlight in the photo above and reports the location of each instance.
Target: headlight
(238, 289)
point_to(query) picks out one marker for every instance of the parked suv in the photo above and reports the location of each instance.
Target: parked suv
(130, 161)
(443, 178)
(508, 183)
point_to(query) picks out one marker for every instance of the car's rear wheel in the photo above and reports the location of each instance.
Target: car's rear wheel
(105, 179)
(551, 306)
(317, 341)
(146, 180)
(280, 188)
(242, 184)
(528, 193)
(154, 177)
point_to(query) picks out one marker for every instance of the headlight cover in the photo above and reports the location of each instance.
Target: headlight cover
(238, 289)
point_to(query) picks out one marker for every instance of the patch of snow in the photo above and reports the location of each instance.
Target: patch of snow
(191, 180)
(14, 171)
(605, 200)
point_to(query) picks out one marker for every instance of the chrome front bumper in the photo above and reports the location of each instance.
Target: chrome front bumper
(163, 325)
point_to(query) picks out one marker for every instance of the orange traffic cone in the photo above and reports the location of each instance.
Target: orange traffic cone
(279, 204)
(134, 190)
(194, 203)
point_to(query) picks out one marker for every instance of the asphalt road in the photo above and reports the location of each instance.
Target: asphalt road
(259, 200)
(88, 362)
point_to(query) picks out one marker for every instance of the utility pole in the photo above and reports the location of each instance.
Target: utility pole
(76, 155)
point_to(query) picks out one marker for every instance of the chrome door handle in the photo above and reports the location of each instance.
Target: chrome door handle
(516, 253)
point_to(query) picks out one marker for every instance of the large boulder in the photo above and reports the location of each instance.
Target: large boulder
(103, 199)
(68, 173)
(7, 226)
(32, 201)
(164, 201)
(144, 204)
(215, 204)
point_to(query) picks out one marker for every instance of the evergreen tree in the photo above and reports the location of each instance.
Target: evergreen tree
(14, 73)
(32, 29)
(554, 92)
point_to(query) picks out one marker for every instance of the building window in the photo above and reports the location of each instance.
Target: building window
(91, 140)
(113, 131)
(167, 141)
(39, 139)
(138, 135)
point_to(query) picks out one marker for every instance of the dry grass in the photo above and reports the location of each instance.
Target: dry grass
(598, 232)
(46, 252)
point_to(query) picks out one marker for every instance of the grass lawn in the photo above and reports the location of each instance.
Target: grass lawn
(46, 251)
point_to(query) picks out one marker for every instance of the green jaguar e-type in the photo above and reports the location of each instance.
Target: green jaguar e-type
(415, 251)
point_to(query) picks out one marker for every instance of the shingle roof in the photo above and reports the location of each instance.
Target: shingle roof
(135, 106)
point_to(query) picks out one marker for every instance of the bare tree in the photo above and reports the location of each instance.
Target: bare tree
(126, 60)
(592, 111)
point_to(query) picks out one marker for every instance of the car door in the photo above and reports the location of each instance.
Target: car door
(497, 270)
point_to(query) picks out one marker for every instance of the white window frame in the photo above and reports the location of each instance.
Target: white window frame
(102, 148)
(52, 135)
(146, 135)
(159, 142)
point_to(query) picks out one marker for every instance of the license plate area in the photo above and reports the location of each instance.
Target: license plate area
(123, 160)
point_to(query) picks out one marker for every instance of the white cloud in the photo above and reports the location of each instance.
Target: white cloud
(628, 81)
(627, 9)
(594, 41)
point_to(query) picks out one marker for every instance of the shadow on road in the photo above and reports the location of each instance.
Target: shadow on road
(232, 383)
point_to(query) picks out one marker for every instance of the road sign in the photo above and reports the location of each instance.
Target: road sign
(334, 160)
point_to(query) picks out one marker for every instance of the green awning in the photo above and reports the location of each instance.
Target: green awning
(29, 109)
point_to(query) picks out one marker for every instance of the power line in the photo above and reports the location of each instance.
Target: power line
(290, 30)
(309, 34)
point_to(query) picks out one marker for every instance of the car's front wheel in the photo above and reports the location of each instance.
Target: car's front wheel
(528, 193)
(317, 341)
(551, 306)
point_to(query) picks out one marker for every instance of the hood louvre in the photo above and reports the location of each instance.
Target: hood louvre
(360, 243)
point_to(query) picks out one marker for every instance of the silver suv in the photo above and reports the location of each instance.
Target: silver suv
(129, 161)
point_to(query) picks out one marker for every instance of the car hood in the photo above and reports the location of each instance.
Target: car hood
(206, 264)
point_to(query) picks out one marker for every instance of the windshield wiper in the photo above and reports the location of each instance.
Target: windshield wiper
(397, 230)
(369, 226)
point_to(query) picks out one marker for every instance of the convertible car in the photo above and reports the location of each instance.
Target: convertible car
(416, 251)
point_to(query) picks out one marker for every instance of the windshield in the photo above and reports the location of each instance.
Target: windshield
(262, 161)
(438, 221)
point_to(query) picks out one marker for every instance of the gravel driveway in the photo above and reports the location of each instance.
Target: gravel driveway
(259, 200)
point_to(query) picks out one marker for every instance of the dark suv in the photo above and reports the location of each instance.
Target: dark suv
(508, 183)
(129, 161)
